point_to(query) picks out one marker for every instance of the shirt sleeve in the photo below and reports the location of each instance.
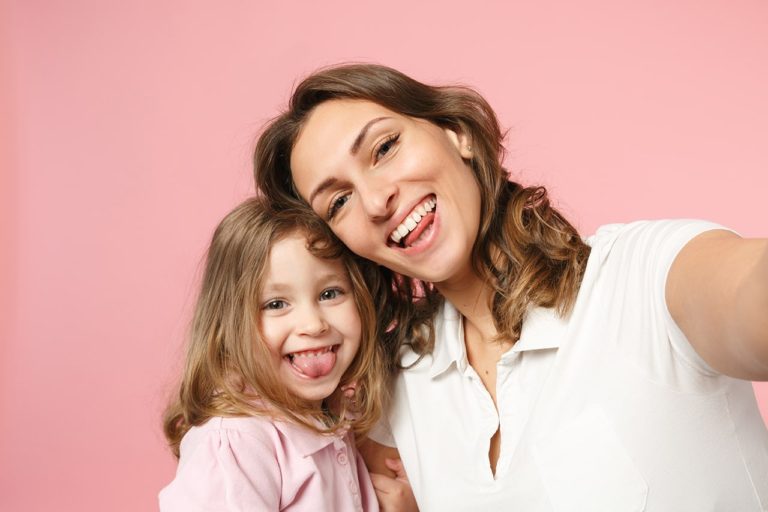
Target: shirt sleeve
(382, 434)
(643, 253)
(225, 469)
(685, 232)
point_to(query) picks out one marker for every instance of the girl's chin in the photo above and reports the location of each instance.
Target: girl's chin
(316, 394)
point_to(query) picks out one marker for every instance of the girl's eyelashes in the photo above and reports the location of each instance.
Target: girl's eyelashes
(331, 293)
(385, 147)
(336, 204)
(274, 304)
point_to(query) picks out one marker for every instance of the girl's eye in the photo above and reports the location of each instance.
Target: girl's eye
(337, 204)
(275, 304)
(386, 146)
(331, 293)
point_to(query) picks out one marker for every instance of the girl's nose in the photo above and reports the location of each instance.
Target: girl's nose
(312, 322)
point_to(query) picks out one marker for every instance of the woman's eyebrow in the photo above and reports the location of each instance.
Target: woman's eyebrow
(329, 182)
(360, 136)
(326, 184)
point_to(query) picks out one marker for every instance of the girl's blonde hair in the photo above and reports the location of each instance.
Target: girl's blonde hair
(525, 249)
(227, 371)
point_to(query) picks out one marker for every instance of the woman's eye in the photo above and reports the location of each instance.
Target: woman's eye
(386, 146)
(275, 304)
(331, 293)
(337, 204)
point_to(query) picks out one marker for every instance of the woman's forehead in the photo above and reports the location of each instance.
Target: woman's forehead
(343, 116)
(332, 133)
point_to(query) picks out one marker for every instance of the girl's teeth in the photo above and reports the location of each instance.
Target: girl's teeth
(402, 230)
(416, 217)
(421, 211)
(410, 223)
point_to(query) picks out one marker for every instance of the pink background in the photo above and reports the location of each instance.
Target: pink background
(127, 129)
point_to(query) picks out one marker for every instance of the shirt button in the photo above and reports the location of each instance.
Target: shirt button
(341, 458)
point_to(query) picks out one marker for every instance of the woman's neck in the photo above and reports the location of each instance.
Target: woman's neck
(471, 296)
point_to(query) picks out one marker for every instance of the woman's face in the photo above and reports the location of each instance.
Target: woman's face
(394, 189)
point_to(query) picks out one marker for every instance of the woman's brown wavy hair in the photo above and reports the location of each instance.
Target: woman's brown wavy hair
(227, 371)
(525, 249)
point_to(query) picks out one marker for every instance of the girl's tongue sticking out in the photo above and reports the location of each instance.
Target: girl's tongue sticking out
(314, 363)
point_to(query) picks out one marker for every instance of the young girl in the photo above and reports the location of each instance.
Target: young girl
(281, 365)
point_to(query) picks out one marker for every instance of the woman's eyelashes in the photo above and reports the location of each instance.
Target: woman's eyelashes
(383, 148)
(380, 151)
(336, 204)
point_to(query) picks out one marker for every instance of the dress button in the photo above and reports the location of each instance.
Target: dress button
(341, 458)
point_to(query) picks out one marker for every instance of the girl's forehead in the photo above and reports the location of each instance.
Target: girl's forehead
(291, 259)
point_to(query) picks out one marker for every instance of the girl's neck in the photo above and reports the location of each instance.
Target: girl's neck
(471, 296)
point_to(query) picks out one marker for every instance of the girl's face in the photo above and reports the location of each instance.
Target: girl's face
(308, 319)
(394, 189)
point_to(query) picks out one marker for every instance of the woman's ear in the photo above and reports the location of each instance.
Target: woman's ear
(461, 141)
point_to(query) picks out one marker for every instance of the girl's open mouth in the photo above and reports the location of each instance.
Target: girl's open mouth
(314, 363)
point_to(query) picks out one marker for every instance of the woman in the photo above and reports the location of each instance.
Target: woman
(541, 372)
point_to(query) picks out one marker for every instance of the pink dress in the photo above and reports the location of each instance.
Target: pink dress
(256, 463)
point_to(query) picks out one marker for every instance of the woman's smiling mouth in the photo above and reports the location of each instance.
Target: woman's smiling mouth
(414, 224)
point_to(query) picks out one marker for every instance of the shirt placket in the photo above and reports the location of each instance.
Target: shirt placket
(347, 467)
(513, 408)
(488, 424)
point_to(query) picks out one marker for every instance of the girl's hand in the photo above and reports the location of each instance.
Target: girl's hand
(394, 494)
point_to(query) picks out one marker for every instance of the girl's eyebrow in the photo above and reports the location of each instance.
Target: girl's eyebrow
(275, 287)
(360, 136)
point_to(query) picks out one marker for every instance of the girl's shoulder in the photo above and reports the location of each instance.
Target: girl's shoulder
(244, 431)
(258, 434)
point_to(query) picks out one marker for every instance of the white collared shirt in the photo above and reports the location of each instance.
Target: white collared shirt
(610, 409)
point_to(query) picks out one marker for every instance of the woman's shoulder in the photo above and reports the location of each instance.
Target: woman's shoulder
(650, 235)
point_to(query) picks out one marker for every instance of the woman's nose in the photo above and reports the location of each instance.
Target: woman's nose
(378, 198)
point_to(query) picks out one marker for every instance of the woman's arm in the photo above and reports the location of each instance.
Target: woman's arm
(388, 477)
(717, 292)
(374, 455)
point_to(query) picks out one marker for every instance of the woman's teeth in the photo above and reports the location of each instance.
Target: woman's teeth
(410, 222)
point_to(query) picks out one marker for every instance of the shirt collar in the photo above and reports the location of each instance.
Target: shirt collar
(449, 341)
(307, 442)
(542, 329)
